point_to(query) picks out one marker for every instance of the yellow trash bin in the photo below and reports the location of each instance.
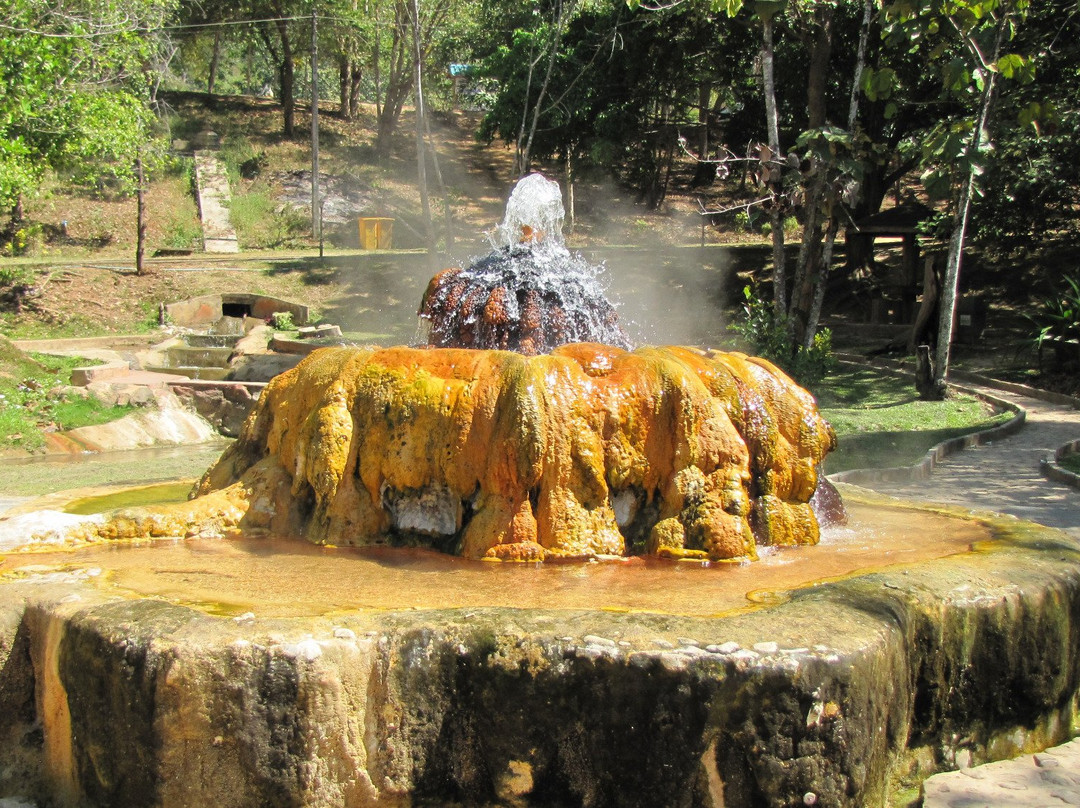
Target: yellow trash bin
(376, 233)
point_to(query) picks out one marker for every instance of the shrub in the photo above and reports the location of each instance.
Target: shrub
(282, 321)
(769, 338)
(23, 241)
(1058, 322)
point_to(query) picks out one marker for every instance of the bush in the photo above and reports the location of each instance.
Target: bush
(1058, 323)
(282, 321)
(769, 338)
(24, 241)
(260, 225)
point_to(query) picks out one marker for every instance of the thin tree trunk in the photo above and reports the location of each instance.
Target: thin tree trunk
(703, 119)
(809, 270)
(448, 213)
(140, 239)
(288, 81)
(344, 87)
(376, 65)
(814, 315)
(560, 20)
(215, 56)
(354, 89)
(956, 242)
(421, 156)
(772, 121)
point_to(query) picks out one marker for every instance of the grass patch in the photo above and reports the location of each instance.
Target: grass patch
(34, 401)
(881, 422)
(261, 224)
(1070, 462)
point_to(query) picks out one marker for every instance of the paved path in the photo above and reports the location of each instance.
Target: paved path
(213, 185)
(1004, 476)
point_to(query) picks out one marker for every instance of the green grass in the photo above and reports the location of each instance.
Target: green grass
(1070, 462)
(34, 402)
(881, 422)
(260, 223)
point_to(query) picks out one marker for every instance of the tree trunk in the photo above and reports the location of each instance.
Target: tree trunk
(215, 56)
(399, 82)
(704, 91)
(772, 166)
(140, 239)
(345, 70)
(920, 330)
(421, 155)
(448, 211)
(288, 81)
(560, 20)
(282, 55)
(956, 242)
(354, 90)
(809, 270)
(814, 315)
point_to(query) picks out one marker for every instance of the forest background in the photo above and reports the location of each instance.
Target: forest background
(794, 119)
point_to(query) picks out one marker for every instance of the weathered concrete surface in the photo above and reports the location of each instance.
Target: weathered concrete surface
(212, 183)
(848, 691)
(197, 312)
(1006, 475)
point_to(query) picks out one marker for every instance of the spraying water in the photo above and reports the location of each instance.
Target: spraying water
(530, 294)
(534, 214)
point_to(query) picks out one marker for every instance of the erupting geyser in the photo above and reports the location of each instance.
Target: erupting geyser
(266, 672)
(530, 294)
(585, 450)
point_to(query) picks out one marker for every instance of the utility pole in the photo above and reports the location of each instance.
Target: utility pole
(316, 218)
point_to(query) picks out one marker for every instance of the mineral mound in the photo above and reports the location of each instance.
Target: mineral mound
(589, 450)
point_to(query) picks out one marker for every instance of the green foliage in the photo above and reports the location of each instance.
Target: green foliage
(1058, 320)
(769, 337)
(34, 400)
(261, 223)
(1032, 179)
(282, 321)
(75, 82)
(963, 36)
(25, 240)
(182, 234)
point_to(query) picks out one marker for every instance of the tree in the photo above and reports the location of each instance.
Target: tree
(397, 46)
(623, 86)
(1032, 176)
(76, 86)
(975, 34)
(276, 23)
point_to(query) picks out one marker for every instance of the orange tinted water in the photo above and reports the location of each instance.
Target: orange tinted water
(281, 578)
